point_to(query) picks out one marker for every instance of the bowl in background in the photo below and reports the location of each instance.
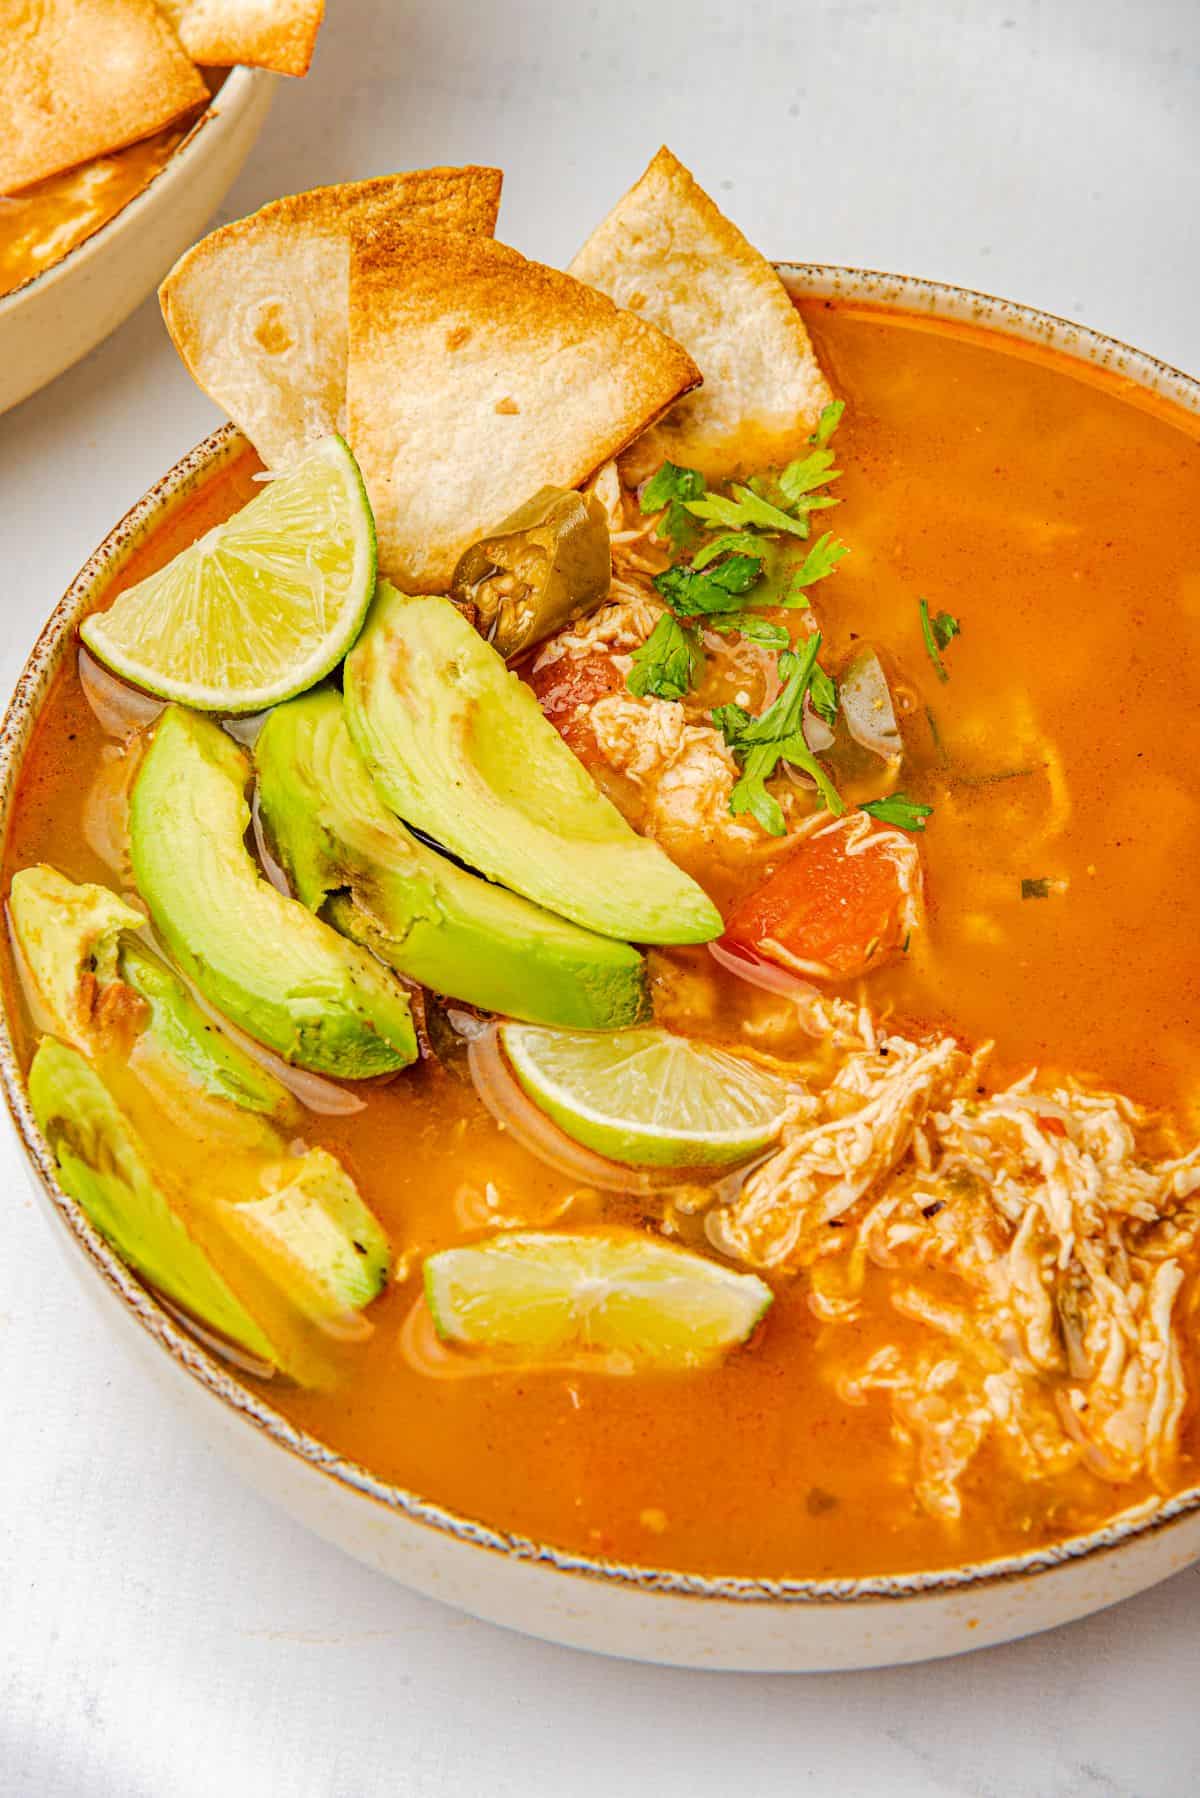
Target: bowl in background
(48, 324)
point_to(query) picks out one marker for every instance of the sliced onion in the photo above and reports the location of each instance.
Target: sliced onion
(756, 971)
(245, 730)
(866, 704)
(119, 708)
(267, 862)
(516, 1112)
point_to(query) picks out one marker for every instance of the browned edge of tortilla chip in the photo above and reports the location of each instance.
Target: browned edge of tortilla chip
(78, 81)
(278, 35)
(476, 377)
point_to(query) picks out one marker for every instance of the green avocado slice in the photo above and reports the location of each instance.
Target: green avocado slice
(102, 1165)
(458, 746)
(179, 1146)
(286, 978)
(213, 1060)
(351, 860)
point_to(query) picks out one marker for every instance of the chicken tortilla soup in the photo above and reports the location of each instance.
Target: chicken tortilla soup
(612, 914)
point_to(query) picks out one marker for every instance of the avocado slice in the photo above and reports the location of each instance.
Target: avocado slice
(102, 1166)
(352, 861)
(93, 983)
(265, 961)
(458, 746)
(314, 1234)
(178, 1145)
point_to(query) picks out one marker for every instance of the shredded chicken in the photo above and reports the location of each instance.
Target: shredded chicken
(870, 1111)
(1033, 1237)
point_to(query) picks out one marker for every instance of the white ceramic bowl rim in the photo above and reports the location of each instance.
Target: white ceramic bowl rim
(50, 651)
(237, 86)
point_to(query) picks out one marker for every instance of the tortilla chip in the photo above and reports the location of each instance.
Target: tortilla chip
(667, 252)
(476, 378)
(258, 310)
(268, 34)
(81, 78)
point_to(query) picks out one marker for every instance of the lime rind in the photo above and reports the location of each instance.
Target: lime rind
(261, 607)
(648, 1098)
(547, 1298)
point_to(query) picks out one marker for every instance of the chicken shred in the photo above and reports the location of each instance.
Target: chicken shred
(1033, 1235)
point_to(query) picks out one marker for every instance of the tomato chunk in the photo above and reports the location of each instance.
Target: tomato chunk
(840, 905)
(568, 688)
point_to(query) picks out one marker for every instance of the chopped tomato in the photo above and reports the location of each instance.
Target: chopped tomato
(568, 688)
(839, 905)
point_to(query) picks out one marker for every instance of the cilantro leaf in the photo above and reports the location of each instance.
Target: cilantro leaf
(827, 424)
(938, 633)
(823, 693)
(898, 809)
(807, 474)
(745, 508)
(668, 661)
(749, 625)
(760, 744)
(689, 591)
(666, 491)
(820, 561)
(741, 541)
(670, 482)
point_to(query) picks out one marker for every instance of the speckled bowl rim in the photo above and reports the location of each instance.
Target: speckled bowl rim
(234, 94)
(55, 643)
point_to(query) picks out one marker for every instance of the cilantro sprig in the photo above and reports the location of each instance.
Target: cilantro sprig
(743, 509)
(691, 591)
(668, 491)
(666, 665)
(900, 810)
(760, 744)
(938, 633)
(827, 424)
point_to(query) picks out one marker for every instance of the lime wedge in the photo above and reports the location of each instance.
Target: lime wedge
(262, 606)
(645, 1097)
(552, 1297)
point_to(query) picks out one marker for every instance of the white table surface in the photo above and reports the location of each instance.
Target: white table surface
(163, 1634)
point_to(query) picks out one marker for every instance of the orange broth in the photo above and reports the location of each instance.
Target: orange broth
(1057, 514)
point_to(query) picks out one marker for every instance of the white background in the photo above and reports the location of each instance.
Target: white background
(162, 1633)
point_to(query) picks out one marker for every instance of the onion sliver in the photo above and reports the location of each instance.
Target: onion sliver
(866, 704)
(768, 975)
(510, 1105)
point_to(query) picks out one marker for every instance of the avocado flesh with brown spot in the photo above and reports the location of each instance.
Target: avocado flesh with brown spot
(349, 858)
(178, 1145)
(458, 748)
(262, 959)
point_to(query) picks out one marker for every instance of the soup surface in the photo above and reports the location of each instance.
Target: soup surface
(45, 222)
(1056, 515)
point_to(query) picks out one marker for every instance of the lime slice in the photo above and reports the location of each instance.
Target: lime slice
(262, 606)
(647, 1098)
(552, 1297)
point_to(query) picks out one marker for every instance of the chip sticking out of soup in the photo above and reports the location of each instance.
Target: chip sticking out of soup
(476, 378)
(668, 252)
(259, 309)
(80, 79)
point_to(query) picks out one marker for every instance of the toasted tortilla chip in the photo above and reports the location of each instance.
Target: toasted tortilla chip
(259, 309)
(667, 252)
(268, 34)
(81, 78)
(476, 378)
